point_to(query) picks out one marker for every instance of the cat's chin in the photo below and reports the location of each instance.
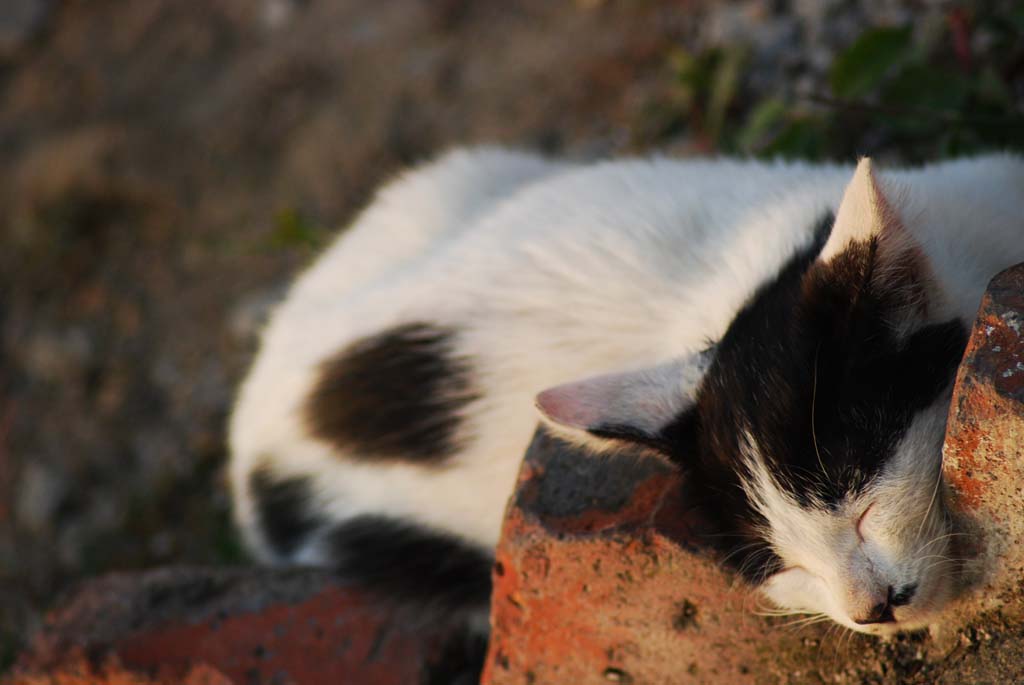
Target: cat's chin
(929, 611)
(803, 592)
(923, 614)
(912, 622)
(899, 626)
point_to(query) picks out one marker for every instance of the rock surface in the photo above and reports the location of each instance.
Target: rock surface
(598, 579)
(235, 627)
(984, 451)
(597, 584)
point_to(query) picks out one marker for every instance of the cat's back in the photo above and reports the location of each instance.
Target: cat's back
(507, 245)
(483, 234)
(506, 273)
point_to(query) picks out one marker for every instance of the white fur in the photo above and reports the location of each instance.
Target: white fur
(842, 569)
(861, 214)
(553, 272)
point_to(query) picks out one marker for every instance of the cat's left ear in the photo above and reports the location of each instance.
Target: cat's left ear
(871, 250)
(634, 407)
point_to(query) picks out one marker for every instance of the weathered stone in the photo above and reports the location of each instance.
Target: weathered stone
(599, 579)
(984, 451)
(614, 588)
(78, 669)
(239, 626)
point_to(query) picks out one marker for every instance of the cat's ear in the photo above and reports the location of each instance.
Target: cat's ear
(871, 250)
(866, 213)
(634, 407)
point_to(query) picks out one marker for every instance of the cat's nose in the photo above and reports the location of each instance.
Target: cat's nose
(903, 597)
(880, 612)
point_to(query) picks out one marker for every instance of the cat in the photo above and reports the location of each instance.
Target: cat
(786, 334)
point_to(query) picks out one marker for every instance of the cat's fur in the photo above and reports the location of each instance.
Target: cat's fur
(791, 348)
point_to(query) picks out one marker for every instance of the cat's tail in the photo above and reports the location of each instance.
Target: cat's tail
(428, 581)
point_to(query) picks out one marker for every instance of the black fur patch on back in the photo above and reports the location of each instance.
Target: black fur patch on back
(410, 565)
(284, 509)
(393, 396)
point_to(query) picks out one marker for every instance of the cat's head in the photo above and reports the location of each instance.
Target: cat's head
(810, 434)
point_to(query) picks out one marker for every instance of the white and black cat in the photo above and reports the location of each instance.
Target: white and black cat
(790, 347)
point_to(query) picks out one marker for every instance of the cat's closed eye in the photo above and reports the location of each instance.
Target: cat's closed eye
(863, 522)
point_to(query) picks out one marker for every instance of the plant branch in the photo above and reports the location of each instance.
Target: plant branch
(947, 116)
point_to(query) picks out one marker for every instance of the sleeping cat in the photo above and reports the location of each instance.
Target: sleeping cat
(785, 334)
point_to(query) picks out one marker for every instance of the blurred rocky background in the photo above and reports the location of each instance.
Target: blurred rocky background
(166, 166)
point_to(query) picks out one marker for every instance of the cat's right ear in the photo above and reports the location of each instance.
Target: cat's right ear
(871, 250)
(637, 408)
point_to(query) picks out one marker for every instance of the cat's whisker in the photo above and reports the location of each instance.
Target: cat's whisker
(933, 556)
(753, 606)
(846, 637)
(940, 565)
(837, 640)
(940, 562)
(748, 562)
(794, 630)
(931, 503)
(762, 610)
(941, 556)
(740, 549)
(806, 621)
(773, 611)
(827, 637)
(814, 398)
(939, 539)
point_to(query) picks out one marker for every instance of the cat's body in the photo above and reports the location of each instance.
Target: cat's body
(383, 423)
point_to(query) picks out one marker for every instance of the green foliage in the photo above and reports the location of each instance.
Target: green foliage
(227, 549)
(724, 88)
(705, 90)
(864, 65)
(932, 92)
(9, 647)
(292, 229)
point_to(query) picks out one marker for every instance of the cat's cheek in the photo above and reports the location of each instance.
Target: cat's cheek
(933, 597)
(796, 589)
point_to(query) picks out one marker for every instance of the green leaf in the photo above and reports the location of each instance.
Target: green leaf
(725, 83)
(688, 72)
(685, 67)
(802, 138)
(864, 65)
(292, 229)
(764, 122)
(1016, 17)
(992, 90)
(923, 88)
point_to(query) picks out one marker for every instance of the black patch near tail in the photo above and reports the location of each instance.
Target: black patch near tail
(410, 565)
(393, 396)
(284, 509)
(460, 661)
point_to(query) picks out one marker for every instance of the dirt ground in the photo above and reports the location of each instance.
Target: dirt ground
(166, 166)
